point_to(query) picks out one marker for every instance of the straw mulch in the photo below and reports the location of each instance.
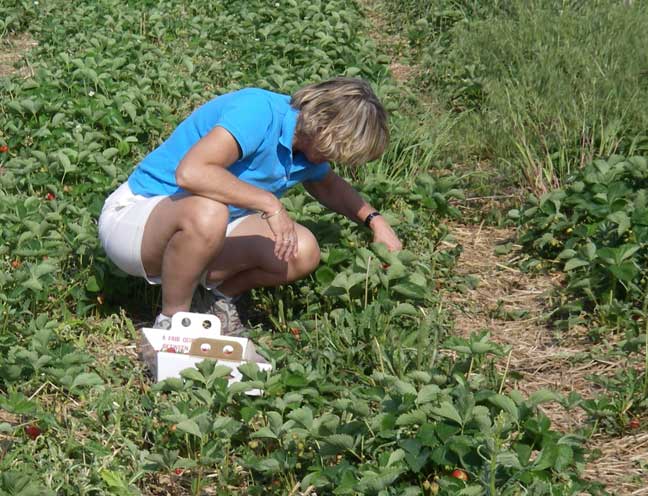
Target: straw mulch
(540, 358)
(12, 49)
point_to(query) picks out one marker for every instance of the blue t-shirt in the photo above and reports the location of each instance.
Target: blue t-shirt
(262, 122)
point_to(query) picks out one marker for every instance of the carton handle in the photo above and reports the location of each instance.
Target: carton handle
(195, 321)
(222, 349)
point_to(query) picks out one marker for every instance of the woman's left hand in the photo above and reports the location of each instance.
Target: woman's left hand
(383, 233)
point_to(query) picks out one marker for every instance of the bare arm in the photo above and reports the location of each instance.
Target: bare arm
(338, 195)
(203, 171)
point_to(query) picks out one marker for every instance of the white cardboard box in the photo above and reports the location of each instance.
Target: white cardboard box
(194, 337)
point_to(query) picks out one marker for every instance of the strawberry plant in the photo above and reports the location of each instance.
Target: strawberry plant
(596, 230)
(369, 395)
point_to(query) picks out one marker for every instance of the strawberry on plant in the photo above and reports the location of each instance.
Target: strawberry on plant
(634, 423)
(50, 196)
(459, 474)
(178, 471)
(4, 149)
(33, 431)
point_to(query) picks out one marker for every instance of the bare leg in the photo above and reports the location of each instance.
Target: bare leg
(185, 235)
(247, 259)
(182, 234)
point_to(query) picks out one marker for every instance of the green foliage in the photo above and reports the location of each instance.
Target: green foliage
(596, 230)
(364, 399)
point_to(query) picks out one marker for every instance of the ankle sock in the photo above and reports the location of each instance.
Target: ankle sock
(222, 296)
(160, 318)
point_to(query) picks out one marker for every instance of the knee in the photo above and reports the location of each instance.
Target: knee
(308, 252)
(205, 219)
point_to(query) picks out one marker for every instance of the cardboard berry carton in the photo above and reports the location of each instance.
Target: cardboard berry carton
(195, 337)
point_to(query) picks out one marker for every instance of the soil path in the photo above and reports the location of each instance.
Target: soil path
(12, 49)
(512, 306)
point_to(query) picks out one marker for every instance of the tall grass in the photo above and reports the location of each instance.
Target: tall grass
(547, 85)
(415, 147)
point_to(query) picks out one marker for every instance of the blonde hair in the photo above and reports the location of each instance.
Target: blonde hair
(344, 120)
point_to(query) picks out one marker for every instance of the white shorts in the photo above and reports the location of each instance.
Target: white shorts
(121, 228)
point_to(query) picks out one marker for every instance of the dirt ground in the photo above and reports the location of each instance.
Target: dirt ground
(12, 49)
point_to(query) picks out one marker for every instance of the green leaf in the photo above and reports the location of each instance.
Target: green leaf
(410, 290)
(192, 374)
(447, 410)
(509, 459)
(428, 393)
(249, 370)
(574, 263)
(543, 396)
(404, 387)
(547, 457)
(129, 108)
(472, 490)
(43, 269)
(622, 220)
(325, 275)
(416, 417)
(404, 309)
(625, 272)
(220, 371)
(395, 457)
(115, 482)
(188, 64)
(268, 466)
(242, 387)
(65, 161)
(303, 416)
(190, 426)
(109, 153)
(33, 284)
(92, 285)
(506, 404)
(567, 253)
(264, 432)
(86, 379)
(339, 441)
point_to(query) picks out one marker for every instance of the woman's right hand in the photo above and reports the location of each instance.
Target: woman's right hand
(284, 234)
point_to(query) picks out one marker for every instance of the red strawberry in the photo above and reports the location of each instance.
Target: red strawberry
(16, 264)
(4, 149)
(178, 471)
(33, 431)
(50, 196)
(459, 474)
(634, 423)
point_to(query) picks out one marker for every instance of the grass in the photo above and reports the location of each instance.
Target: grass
(548, 86)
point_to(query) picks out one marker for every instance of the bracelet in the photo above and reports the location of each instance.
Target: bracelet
(266, 216)
(367, 220)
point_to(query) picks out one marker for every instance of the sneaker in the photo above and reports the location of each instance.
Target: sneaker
(205, 301)
(162, 323)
